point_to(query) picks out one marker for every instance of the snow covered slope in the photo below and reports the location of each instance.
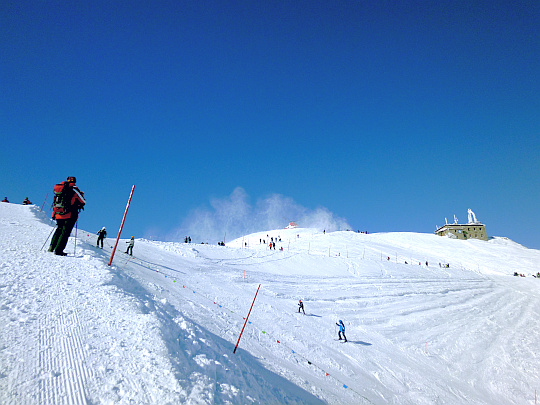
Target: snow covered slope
(160, 327)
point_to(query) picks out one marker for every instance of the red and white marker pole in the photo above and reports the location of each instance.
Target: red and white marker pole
(122, 225)
(247, 317)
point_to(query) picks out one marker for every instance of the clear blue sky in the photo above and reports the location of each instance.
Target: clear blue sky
(391, 115)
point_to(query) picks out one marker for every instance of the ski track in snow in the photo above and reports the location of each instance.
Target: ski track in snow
(42, 323)
(160, 327)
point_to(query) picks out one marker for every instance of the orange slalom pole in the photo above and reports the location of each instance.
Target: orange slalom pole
(247, 317)
(122, 225)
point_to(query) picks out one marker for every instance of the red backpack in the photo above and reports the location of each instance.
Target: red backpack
(62, 198)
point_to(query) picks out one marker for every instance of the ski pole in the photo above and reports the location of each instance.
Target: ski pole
(75, 248)
(47, 238)
(44, 202)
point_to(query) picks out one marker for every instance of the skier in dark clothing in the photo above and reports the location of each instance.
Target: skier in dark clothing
(69, 200)
(130, 246)
(301, 306)
(26, 201)
(341, 330)
(102, 234)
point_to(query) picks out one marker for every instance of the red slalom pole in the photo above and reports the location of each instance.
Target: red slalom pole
(247, 317)
(122, 225)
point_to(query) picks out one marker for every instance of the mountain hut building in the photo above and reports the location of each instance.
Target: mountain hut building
(473, 229)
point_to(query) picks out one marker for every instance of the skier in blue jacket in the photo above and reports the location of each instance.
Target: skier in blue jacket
(341, 330)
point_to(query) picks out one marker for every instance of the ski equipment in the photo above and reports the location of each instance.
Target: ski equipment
(62, 198)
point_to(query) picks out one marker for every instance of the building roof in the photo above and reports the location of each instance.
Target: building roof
(455, 225)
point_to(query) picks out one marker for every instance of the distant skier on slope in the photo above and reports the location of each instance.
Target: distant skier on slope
(102, 234)
(341, 330)
(129, 249)
(301, 306)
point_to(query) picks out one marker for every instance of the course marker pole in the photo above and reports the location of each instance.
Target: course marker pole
(121, 225)
(247, 317)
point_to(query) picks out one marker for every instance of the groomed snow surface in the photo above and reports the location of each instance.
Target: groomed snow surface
(160, 327)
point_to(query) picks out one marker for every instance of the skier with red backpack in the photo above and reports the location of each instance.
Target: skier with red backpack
(68, 201)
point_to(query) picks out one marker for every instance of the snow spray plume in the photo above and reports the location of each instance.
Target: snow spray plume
(234, 216)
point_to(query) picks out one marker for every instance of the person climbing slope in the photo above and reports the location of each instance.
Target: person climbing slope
(102, 234)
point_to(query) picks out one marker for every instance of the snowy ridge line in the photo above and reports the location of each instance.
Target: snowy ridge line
(375, 251)
(309, 362)
(403, 260)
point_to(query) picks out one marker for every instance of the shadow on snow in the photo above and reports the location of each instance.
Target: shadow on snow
(221, 369)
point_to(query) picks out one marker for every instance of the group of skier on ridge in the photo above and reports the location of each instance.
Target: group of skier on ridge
(26, 201)
(341, 331)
